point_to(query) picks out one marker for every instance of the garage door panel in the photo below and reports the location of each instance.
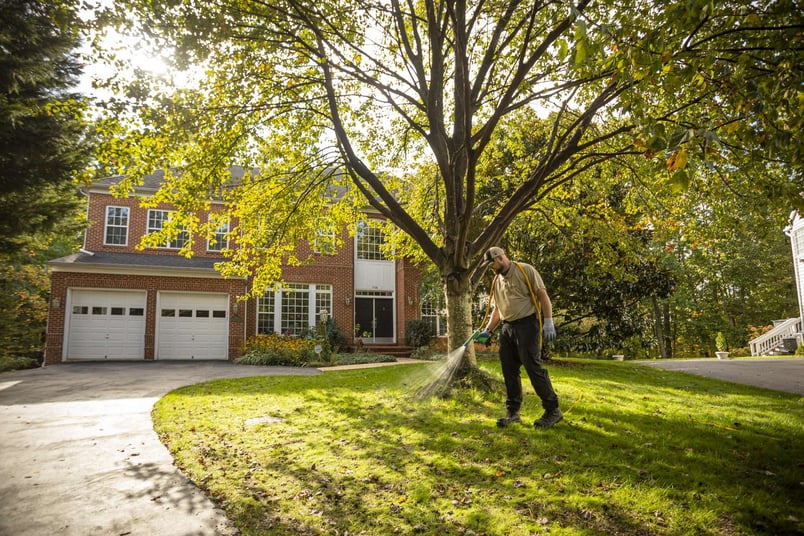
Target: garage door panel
(193, 326)
(106, 325)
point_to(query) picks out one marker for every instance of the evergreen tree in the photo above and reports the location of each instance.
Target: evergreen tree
(43, 135)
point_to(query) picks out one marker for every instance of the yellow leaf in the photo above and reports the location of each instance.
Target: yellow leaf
(678, 160)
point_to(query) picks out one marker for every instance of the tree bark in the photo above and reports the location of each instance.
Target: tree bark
(658, 324)
(458, 290)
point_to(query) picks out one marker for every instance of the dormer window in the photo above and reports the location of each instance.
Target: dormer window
(116, 233)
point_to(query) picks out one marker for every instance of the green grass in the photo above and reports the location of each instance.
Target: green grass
(641, 452)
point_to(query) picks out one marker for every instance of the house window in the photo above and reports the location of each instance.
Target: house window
(294, 309)
(157, 220)
(434, 313)
(221, 240)
(369, 242)
(265, 313)
(116, 233)
(324, 242)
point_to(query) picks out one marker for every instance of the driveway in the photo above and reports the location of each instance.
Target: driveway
(785, 374)
(79, 456)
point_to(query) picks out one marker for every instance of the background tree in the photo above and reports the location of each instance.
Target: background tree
(406, 98)
(734, 264)
(43, 135)
(43, 148)
(647, 270)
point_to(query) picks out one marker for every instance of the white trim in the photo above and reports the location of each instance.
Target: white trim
(106, 225)
(139, 192)
(149, 230)
(136, 270)
(228, 230)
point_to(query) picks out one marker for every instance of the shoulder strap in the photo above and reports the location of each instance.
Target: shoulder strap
(532, 297)
(530, 289)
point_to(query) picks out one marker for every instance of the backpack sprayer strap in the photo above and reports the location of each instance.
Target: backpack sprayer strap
(535, 301)
(491, 296)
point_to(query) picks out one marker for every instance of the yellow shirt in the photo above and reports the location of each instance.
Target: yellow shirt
(511, 295)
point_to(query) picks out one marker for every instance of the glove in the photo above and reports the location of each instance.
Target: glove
(549, 330)
(484, 337)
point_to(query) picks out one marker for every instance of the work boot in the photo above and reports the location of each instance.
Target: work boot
(510, 418)
(550, 417)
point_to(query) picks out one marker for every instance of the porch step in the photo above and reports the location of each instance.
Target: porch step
(394, 350)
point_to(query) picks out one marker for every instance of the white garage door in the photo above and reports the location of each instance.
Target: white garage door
(106, 324)
(192, 326)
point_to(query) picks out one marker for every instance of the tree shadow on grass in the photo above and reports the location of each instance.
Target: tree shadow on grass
(357, 453)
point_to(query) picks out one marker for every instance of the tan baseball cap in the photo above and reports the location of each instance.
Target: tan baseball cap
(493, 253)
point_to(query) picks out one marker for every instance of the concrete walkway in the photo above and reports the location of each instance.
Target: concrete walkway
(779, 374)
(79, 456)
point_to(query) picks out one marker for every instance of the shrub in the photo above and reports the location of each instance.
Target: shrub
(419, 333)
(427, 353)
(279, 350)
(8, 363)
(720, 342)
(335, 336)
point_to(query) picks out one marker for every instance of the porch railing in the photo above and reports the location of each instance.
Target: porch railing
(788, 329)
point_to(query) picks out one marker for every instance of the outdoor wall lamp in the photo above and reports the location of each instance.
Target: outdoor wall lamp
(235, 307)
(347, 300)
(56, 303)
(410, 300)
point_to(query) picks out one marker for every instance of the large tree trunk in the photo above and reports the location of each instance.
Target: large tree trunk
(458, 290)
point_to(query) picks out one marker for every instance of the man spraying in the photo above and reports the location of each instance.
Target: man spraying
(523, 308)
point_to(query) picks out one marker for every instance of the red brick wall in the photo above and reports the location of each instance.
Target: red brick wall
(137, 227)
(408, 278)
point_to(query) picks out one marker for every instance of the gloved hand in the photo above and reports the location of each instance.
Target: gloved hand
(549, 330)
(484, 337)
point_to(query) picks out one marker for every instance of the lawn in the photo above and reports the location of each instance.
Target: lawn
(641, 451)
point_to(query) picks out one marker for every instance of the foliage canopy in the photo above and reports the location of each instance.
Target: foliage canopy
(409, 102)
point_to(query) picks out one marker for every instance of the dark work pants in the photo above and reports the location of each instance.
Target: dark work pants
(520, 345)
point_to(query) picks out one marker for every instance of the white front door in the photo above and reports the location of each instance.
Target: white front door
(105, 324)
(192, 326)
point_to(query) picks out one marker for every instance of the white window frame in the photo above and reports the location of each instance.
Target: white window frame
(180, 240)
(435, 314)
(221, 237)
(324, 241)
(368, 241)
(274, 314)
(124, 213)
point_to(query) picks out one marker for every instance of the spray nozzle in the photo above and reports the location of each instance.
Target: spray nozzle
(478, 336)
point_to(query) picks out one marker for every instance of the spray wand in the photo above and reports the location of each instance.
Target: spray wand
(479, 337)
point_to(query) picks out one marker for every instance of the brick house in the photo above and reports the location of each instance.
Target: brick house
(112, 301)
